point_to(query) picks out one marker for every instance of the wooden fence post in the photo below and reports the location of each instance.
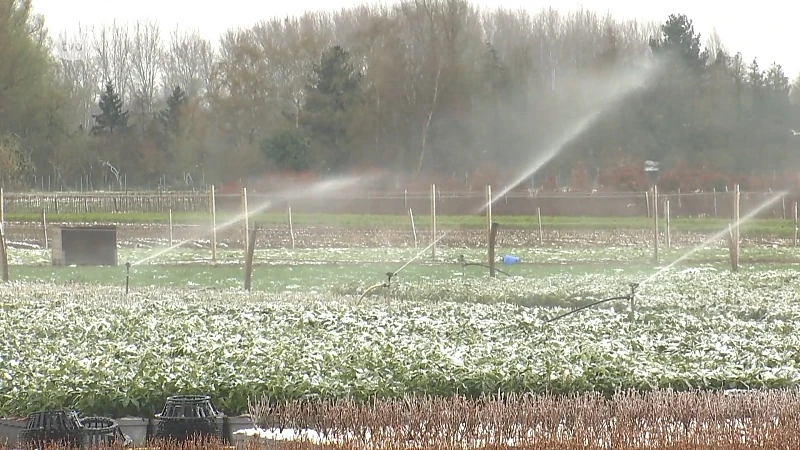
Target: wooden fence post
(3, 257)
(715, 202)
(246, 217)
(735, 230)
(170, 228)
(655, 223)
(248, 262)
(44, 229)
(2, 209)
(539, 217)
(492, 240)
(795, 224)
(213, 224)
(433, 221)
(667, 227)
(413, 226)
(488, 213)
(291, 227)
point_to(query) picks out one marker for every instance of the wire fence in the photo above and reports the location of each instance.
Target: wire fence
(447, 203)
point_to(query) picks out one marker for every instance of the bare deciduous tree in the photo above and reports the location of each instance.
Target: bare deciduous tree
(146, 51)
(78, 75)
(714, 45)
(291, 46)
(188, 62)
(112, 54)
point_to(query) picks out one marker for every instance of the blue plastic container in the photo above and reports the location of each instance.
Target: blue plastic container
(510, 259)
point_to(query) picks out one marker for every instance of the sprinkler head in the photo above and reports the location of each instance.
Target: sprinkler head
(633, 287)
(127, 277)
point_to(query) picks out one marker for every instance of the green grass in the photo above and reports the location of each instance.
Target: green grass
(774, 227)
(265, 277)
(350, 270)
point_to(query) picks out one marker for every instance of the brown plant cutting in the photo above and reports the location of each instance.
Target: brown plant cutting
(628, 420)
(662, 420)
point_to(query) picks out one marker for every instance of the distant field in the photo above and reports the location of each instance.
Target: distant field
(773, 227)
(350, 270)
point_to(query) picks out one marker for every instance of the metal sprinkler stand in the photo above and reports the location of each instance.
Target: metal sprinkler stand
(633, 287)
(127, 276)
(389, 276)
(386, 284)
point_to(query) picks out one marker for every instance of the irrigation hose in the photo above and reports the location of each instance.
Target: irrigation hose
(370, 289)
(486, 266)
(387, 285)
(624, 297)
(628, 297)
(392, 274)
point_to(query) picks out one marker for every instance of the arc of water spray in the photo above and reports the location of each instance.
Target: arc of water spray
(633, 82)
(392, 274)
(579, 127)
(222, 226)
(574, 131)
(747, 217)
(325, 185)
(421, 252)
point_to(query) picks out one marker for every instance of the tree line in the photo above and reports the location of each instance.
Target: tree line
(424, 88)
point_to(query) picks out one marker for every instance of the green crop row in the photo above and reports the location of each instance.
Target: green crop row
(93, 349)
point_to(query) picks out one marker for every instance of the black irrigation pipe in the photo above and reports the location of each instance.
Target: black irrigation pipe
(486, 266)
(464, 264)
(628, 297)
(624, 297)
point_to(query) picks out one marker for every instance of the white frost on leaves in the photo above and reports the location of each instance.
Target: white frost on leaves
(702, 328)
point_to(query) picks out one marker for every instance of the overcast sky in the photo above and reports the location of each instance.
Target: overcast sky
(767, 29)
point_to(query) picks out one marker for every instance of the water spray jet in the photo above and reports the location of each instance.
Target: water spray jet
(749, 216)
(315, 188)
(631, 82)
(390, 275)
(633, 286)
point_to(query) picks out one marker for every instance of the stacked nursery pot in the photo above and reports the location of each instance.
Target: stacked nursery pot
(59, 426)
(68, 428)
(103, 431)
(185, 417)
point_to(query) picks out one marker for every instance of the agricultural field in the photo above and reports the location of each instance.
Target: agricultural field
(71, 337)
(443, 335)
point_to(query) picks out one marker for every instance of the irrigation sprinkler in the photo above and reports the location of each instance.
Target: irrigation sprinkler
(629, 297)
(392, 274)
(632, 296)
(387, 284)
(465, 264)
(127, 276)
